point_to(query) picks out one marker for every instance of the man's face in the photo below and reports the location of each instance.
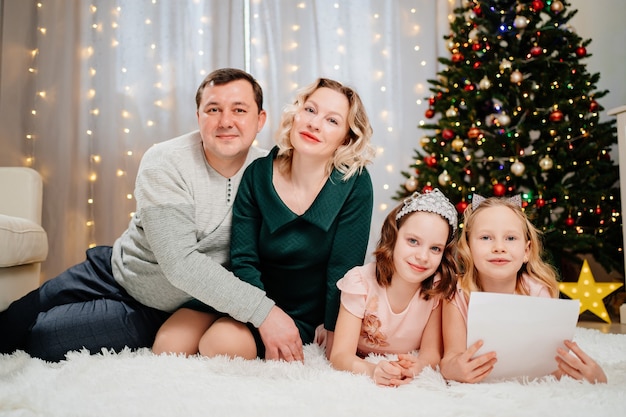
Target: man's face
(229, 120)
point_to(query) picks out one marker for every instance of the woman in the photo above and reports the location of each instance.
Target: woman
(301, 220)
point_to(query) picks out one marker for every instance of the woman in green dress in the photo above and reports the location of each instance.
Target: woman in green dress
(301, 220)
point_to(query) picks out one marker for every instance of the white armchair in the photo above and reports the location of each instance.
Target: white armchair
(23, 242)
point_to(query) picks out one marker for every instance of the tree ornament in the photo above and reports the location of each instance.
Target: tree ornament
(427, 188)
(424, 141)
(457, 144)
(484, 83)
(469, 87)
(431, 101)
(505, 64)
(429, 113)
(598, 210)
(499, 189)
(410, 184)
(593, 106)
(430, 160)
(444, 178)
(517, 77)
(540, 202)
(556, 116)
(457, 57)
(546, 163)
(461, 206)
(503, 119)
(569, 221)
(452, 112)
(521, 22)
(537, 5)
(447, 134)
(590, 293)
(536, 51)
(473, 132)
(581, 52)
(518, 168)
(556, 6)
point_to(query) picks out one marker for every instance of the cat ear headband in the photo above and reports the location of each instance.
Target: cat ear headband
(433, 202)
(477, 200)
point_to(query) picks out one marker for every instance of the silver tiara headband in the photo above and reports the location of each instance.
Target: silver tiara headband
(433, 202)
(478, 199)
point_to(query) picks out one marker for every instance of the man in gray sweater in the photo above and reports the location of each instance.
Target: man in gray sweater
(176, 246)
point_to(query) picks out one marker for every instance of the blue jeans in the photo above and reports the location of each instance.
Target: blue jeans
(84, 307)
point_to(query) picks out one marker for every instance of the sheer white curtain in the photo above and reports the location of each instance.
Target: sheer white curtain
(97, 83)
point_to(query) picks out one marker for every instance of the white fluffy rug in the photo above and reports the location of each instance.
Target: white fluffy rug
(142, 384)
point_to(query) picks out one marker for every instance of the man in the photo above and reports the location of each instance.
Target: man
(176, 246)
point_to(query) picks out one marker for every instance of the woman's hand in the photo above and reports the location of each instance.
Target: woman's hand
(463, 367)
(578, 365)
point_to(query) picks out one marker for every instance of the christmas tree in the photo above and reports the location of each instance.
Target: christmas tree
(515, 111)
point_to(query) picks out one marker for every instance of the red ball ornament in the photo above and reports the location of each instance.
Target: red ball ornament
(469, 87)
(594, 106)
(476, 65)
(461, 206)
(536, 51)
(537, 5)
(598, 210)
(457, 57)
(429, 113)
(476, 47)
(499, 190)
(431, 161)
(439, 95)
(540, 202)
(431, 101)
(478, 11)
(427, 188)
(447, 134)
(473, 132)
(569, 221)
(581, 52)
(556, 116)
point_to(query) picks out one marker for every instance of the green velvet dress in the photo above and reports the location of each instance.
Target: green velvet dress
(296, 259)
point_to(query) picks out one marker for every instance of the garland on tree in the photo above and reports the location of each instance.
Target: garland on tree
(516, 112)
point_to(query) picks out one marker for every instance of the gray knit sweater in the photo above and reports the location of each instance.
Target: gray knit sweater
(177, 244)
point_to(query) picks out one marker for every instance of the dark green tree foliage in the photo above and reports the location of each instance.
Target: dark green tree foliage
(515, 111)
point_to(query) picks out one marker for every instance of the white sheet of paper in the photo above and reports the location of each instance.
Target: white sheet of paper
(524, 331)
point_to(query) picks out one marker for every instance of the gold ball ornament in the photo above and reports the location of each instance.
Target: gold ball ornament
(521, 22)
(518, 168)
(505, 64)
(410, 184)
(484, 83)
(517, 77)
(556, 6)
(546, 163)
(444, 178)
(457, 144)
(424, 140)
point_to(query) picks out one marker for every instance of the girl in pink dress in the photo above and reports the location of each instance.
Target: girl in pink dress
(392, 306)
(499, 250)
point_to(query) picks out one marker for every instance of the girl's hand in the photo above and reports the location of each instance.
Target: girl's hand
(462, 367)
(578, 365)
(389, 374)
(411, 365)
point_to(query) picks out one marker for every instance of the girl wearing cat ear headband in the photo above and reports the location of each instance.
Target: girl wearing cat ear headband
(499, 250)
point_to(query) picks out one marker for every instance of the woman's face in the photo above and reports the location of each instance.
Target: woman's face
(320, 126)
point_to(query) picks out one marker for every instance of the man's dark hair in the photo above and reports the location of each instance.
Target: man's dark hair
(226, 75)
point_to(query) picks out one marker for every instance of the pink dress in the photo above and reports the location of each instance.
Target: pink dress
(535, 289)
(382, 330)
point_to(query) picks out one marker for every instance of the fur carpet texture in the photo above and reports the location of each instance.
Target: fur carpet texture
(142, 384)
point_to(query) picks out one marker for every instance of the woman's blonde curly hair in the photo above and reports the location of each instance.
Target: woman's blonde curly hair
(350, 157)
